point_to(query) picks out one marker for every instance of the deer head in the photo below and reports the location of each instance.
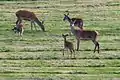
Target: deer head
(15, 29)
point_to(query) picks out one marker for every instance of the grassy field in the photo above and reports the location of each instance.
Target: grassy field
(38, 55)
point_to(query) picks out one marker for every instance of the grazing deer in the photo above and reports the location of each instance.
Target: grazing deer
(29, 16)
(77, 21)
(19, 29)
(68, 45)
(85, 35)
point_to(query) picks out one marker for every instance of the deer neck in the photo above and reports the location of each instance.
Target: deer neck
(72, 29)
(64, 41)
(76, 33)
(69, 20)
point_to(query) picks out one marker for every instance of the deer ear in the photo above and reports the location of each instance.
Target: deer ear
(66, 35)
(68, 13)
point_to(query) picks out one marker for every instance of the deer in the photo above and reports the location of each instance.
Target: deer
(68, 45)
(19, 29)
(85, 35)
(77, 21)
(29, 16)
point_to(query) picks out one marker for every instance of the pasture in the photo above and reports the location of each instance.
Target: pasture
(38, 55)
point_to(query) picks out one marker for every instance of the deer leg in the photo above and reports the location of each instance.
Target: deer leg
(71, 52)
(78, 42)
(74, 52)
(34, 25)
(17, 21)
(31, 25)
(70, 33)
(98, 47)
(20, 21)
(95, 48)
(22, 31)
(63, 52)
(96, 44)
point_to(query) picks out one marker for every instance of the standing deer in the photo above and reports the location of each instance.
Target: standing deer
(68, 45)
(85, 35)
(29, 16)
(77, 21)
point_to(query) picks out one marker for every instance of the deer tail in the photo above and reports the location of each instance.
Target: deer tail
(40, 24)
(97, 34)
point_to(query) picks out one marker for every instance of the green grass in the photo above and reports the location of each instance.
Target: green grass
(38, 55)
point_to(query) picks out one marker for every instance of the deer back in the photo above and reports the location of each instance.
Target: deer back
(25, 15)
(86, 35)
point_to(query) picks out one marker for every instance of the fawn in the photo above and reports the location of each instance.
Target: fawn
(18, 29)
(68, 45)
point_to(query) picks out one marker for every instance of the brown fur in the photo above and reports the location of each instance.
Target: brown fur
(29, 16)
(19, 29)
(86, 35)
(68, 45)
